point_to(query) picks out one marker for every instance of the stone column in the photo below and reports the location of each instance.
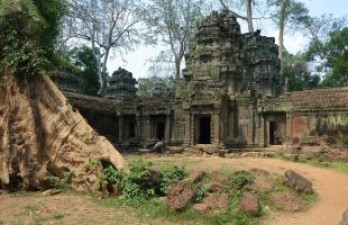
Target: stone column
(146, 128)
(288, 129)
(167, 128)
(120, 129)
(262, 131)
(187, 128)
(138, 127)
(215, 128)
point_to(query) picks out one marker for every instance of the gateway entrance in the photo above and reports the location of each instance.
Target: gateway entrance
(204, 130)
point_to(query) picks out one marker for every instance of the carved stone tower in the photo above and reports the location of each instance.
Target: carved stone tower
(226, 72)
(121, 85)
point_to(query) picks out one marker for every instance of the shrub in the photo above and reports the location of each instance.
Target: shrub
(240, 179)
(171, 174)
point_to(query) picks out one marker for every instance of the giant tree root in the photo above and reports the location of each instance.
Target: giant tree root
(41, 135)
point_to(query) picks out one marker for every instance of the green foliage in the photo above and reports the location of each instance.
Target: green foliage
(52, 11)
(200, 192)
(171, 174)
(83, 59)
(26, 34)
(155, 86)
(333, 54)
(240, 179)
(298, 75)
(59, 183)
(133, 185)
(112, 175)
(291, 13)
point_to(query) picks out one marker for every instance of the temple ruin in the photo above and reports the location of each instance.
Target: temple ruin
(232, 96)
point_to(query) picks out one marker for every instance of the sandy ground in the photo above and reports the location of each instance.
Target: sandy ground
(34, 208)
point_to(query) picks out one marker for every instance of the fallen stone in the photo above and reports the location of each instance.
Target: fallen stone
(249, 204)
(144, 150)
(344, 220)
(219, 177)
(261, 183)
(202, 208)
(158, 147)
(297, 182)
(51, 192)
(258, 171)
(212, 203)
(180, 195)
(215, 188)
(174, 149)
(222, 201)
(196, 176)
(286, 201)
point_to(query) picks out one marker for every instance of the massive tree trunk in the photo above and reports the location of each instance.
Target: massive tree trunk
(41, 135)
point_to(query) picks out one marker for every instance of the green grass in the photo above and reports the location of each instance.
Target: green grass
(338, 166)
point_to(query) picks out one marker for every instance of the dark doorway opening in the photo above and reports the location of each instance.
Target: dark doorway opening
(274, 138)
(160, 130)
(204, 130)
(131, 127)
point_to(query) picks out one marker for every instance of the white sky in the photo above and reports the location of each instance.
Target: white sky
(136, 61)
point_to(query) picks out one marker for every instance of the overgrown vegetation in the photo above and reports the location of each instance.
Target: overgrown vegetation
(137, 192)
(28, 33)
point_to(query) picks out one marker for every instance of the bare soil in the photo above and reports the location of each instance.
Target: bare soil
(34, 208)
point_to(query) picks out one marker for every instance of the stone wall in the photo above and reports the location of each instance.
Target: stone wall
(320, 113)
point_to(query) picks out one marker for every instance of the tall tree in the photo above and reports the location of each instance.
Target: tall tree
(290, 14)
(297, 72)
(40, 134)
(173, 22)
(84, 60)
(106, 25)
(333, 54)
(230, 5)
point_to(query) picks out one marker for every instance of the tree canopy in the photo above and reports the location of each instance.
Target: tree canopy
(107, 25)
(333, 55)
(83, 59)
(173, 22)
(28, 31)
(299, 77)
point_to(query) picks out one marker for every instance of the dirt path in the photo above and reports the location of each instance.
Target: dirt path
(332, 188)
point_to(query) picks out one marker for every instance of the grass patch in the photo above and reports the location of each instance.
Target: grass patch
(308, 198)
(341, 167)
(338, 166)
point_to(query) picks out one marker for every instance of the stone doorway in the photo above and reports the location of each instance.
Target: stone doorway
(204, 130)
(160, 130)
(158, 127)
(131, 130)
(274, 133)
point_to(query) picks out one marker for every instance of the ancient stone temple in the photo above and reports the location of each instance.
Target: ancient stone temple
(121, 85)
(226, 73)
(231, 97)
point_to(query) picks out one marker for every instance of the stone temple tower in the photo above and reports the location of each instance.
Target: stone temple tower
(226, 72)
(121, 85)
